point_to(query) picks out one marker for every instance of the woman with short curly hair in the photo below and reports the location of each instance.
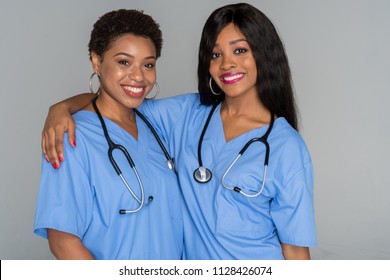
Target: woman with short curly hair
(84, 208)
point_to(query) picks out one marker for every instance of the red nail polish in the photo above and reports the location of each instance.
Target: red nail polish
(47, 160)
(56, 165)
(74, 143)
(60, 158)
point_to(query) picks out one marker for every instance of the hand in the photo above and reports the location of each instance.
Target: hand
(58, 121)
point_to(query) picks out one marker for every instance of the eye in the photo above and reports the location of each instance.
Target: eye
(149, 65)
(240, 51)
(123, 62)
(215, 55)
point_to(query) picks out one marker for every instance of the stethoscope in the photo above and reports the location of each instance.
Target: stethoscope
(113, 146)
(203, 174)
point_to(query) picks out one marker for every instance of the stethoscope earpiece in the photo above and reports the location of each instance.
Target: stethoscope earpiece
(202, 175)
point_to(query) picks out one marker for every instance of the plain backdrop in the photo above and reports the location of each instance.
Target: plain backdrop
(340, 61)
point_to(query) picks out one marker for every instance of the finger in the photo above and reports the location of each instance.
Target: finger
(59, 143)
(72, 133)
(51, 147)
(43, 146)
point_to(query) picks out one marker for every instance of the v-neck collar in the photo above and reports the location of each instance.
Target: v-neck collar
(118, 134)
(219, 133)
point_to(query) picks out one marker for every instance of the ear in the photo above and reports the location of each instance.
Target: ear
(95, 62)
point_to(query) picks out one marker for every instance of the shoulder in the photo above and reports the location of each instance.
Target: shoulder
(88, 129)
(176, 103)
(187, 98)
(86, 122)
(285, 137)
(288, 150)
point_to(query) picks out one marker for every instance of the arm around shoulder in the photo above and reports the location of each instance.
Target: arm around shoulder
(59, 121)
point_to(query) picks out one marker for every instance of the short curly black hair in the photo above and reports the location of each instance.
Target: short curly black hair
(115, 24)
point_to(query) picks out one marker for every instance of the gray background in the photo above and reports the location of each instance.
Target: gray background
(340, 60)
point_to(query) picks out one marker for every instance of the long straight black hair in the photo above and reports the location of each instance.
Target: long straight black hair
(273, 71)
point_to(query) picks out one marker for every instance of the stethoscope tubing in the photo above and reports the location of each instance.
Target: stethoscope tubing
(237, 189)
(204, 132)
(257, 139)
(112, 146)
(201, 172)
(170, 161)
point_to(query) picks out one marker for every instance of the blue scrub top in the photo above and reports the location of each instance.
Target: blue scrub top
(223, 224)
(83, 197)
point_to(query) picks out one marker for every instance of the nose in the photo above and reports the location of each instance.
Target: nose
(228, 62)
(136, 74)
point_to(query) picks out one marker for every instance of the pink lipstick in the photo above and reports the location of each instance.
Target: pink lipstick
(231, 78)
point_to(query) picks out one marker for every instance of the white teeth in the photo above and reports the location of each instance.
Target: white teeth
(231, 78)
(134, 89)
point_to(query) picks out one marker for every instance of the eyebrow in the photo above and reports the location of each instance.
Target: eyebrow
(237, 41)
(234, 42)
(132, 56)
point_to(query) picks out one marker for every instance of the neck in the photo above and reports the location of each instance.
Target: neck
(250, 107)
(240, 115)
(113, 110)
(116, 112)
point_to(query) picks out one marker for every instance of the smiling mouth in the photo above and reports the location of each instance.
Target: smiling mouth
(231, 78)
(132, 91)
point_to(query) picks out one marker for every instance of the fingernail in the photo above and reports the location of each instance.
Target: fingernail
(56, 165)
(60, 158)
(47, 160)
(74, 143)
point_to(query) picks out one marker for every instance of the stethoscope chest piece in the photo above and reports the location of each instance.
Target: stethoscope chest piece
(202, 175)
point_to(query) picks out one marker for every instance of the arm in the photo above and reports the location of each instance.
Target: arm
(65, 246)
(59, 121)
(291, 252)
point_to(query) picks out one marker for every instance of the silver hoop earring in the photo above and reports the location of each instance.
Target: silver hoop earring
(211, 88)
(157, 92)
(90, 83)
